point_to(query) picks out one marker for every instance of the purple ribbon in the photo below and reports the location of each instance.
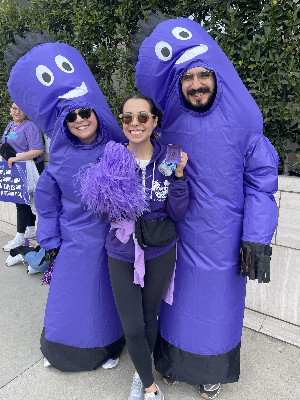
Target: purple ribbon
(124, 230)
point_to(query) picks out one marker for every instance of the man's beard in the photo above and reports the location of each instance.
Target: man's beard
(200, 106)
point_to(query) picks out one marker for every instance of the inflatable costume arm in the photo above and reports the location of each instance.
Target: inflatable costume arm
(48, 204)
(260, 209)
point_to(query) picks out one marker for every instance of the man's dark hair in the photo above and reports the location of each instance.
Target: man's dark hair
(24, 45)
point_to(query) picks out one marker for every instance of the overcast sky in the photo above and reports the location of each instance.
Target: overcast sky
(23, 3)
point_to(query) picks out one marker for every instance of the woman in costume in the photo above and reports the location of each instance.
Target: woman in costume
(139, 274)
(25, 137)
(53, 85)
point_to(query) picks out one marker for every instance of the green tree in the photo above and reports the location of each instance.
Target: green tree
(11, 21)
(260, 38)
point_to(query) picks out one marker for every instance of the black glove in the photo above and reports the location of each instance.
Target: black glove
(50, 256)
(255, 261)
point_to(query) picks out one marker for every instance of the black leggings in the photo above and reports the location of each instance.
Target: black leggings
(138, 307)
(25, 217)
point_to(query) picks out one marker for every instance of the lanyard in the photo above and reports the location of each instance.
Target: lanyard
(9, 129)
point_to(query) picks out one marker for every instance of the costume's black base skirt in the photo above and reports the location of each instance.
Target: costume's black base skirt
(74, 359)
(194, 369)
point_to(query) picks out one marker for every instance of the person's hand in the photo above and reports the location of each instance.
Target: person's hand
(180, 167)
(255, 261)
(11, 160)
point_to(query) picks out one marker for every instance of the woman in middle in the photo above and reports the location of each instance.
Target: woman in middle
(138, 289)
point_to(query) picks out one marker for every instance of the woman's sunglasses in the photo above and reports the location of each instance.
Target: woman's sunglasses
(142, 117)
(84, 113)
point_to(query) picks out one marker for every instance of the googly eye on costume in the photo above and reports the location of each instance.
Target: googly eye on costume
(44, 75)
(64, 64)
(163, 51)
(182, 33)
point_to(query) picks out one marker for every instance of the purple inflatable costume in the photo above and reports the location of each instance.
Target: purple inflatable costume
(232, 171)
(82, 327)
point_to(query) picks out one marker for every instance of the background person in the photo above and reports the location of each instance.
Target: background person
(25, 137)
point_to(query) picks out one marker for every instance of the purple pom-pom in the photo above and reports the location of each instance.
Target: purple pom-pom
(48, 275)
(112, 186)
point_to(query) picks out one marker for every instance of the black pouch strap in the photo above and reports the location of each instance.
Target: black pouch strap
(8, 132)
(138, 234)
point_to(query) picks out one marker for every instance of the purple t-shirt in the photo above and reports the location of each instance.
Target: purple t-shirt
(24, 137)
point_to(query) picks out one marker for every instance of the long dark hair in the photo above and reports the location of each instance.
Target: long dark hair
(153, 109)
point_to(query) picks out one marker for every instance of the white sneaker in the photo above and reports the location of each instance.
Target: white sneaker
(46, 363)
(10, 261)
(12, 244)
(30, 232)
(137, 389)
(31, 271)
(159, 396)
(110, 363)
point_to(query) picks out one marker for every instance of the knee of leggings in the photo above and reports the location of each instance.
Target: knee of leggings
(134, 335)
(150, 315)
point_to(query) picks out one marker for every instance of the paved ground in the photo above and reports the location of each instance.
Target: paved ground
(269, 367)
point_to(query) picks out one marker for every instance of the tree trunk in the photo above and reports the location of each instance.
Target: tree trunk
(286, 167)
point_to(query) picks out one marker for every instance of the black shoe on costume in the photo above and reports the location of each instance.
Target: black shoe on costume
(210, 391)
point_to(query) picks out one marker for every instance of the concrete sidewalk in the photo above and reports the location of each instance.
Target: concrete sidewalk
(269, 367)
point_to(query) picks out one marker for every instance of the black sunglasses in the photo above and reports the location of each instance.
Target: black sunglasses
(142, 117)
(84, 113)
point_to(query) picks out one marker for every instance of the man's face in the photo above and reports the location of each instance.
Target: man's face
(198, 91)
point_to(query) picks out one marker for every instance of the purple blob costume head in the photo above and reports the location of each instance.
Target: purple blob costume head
(51, 77)
(47, 81)
(232, 172)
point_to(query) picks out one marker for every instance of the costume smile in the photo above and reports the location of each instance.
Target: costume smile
(77, 92)
(191, 53)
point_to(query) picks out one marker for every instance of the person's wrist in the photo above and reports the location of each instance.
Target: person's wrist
(180, 177)
(178, 174)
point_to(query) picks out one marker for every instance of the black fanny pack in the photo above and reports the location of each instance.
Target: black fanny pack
(6, 150)
(155, 233)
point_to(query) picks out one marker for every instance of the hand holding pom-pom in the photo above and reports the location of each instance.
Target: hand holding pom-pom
(112, 186)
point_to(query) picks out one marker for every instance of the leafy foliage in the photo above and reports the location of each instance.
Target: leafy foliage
(297, 163)
(11, 22)
(261, 39)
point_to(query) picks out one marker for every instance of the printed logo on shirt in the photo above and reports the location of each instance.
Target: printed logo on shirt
(161, 190)
(12, 135)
